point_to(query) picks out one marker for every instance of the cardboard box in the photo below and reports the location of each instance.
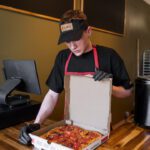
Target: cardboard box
(87, 104)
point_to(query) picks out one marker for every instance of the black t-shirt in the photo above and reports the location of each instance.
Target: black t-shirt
(109, 61)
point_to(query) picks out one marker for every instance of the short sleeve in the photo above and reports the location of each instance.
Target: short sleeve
(120, 74)
(55, 80)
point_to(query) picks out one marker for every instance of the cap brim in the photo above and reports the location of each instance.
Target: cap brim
(70, 36)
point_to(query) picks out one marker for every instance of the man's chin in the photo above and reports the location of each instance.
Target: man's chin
(77, 53)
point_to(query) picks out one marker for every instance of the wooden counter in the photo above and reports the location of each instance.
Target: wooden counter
(126, 137)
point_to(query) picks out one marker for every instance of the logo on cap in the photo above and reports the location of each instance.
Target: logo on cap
(66, 27)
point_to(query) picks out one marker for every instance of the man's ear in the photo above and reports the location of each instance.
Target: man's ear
(89, 30)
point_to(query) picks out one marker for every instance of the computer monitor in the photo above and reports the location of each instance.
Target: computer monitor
(20, 75)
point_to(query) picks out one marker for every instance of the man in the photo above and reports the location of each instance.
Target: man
(80, 58)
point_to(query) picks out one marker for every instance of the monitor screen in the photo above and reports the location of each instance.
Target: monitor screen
(26, 71)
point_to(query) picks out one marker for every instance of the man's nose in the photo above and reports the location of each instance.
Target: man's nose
(72, 45)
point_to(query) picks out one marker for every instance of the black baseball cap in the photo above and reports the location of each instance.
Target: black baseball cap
(72, 31)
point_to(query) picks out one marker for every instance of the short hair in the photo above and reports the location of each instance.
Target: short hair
(73, 14)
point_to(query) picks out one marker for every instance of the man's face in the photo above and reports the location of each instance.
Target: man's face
(81, 46)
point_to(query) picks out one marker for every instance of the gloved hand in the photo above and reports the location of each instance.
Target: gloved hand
(99, 75)
(24, 137)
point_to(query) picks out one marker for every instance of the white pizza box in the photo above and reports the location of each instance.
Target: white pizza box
(88, 105)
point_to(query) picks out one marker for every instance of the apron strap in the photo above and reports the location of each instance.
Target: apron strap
(96, 58)
(67, 62)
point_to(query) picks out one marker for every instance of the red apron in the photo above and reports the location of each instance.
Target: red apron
(82, 73)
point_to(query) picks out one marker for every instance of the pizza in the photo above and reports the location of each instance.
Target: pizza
(71, 136)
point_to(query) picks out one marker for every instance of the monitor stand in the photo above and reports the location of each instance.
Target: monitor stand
(17, 100)
(7, 88)
(17, 108)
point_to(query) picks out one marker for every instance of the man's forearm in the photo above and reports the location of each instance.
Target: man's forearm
(47, 106)
(121, 92)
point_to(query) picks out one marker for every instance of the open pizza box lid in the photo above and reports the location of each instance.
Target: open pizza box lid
(88, 102)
